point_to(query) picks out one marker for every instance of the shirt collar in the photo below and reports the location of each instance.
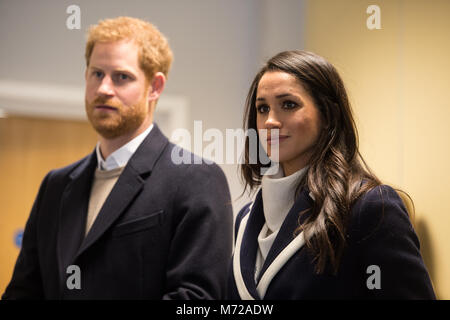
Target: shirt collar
(120, 157)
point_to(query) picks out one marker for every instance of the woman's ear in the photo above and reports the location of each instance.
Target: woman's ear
(156, 86)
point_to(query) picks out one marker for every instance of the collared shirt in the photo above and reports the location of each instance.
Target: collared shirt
(120, 157)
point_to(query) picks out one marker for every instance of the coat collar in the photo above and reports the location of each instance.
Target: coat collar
(74, 202)
(286, 244)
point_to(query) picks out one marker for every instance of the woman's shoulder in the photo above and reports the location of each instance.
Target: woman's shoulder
(382, 235)
(379, 209)
(380, 190)
(378, 197)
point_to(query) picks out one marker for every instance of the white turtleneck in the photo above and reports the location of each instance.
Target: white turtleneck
(278, 194)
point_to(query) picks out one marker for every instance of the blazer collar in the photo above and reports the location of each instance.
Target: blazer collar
(148, 153)
(74, 203)
(285, 245)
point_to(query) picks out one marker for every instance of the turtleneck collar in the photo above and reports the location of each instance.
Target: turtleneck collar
(278, 193)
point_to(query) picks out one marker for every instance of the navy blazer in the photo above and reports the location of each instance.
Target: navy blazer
(381, 259)
(164, 232)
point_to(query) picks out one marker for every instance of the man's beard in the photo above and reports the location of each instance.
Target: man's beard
(119, 122)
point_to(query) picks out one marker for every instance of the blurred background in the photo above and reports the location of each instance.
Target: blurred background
(394, 63)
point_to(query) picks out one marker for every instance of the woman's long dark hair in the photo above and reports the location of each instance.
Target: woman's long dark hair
(337, 174)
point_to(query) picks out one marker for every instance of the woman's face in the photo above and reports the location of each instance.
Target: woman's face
(282, 103)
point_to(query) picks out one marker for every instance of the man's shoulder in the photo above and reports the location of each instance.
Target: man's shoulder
(55, 180)
(67, 170)
(187, 164)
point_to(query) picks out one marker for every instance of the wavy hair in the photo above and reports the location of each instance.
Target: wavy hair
(337, 174)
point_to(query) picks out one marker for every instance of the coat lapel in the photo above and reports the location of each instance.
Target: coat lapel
(72, 212)
(128, 186)
(283, 248)
(287, 229)
(74, 202)
(286, 244)
(246, 249)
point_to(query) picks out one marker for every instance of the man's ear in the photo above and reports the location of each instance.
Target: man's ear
(156, 86)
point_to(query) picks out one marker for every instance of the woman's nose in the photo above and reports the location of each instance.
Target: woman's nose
(273, 121)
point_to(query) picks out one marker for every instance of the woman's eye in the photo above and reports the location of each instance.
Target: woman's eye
(262, 108)
(289, 104)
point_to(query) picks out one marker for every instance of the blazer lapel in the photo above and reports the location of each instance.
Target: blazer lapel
(128, 185)
(72, 212)
(244, 258)
(285, 244)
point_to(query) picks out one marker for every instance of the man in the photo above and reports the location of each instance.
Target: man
(126, 222)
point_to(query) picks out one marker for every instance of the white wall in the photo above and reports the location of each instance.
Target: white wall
(218, 47)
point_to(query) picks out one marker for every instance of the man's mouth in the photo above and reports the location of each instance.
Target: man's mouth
(104, 107)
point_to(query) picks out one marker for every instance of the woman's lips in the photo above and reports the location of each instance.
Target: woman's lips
(275, 140)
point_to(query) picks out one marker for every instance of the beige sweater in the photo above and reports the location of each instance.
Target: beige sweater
(102, 185)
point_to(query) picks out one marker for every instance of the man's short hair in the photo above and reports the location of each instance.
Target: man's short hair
(154, 53)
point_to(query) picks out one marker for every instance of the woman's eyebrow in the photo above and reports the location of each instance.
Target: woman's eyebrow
(283, 95)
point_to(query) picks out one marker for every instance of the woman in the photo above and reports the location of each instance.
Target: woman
(323, 226)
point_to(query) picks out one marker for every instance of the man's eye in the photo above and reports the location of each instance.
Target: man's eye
(262, 108)
(97, 74)
(123, 77)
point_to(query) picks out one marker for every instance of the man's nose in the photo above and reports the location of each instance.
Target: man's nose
(106, 87)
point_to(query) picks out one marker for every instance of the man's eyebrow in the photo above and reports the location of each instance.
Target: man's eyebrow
(124, 70)
(119, 70)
